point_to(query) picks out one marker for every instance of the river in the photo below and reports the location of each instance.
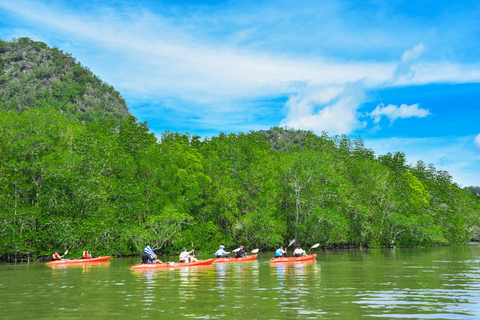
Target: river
(430, 283)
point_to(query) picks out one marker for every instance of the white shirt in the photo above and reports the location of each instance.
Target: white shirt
(220, 252)
(298, 251)
(184, 255)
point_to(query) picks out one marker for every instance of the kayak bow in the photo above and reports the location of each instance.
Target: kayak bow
(242, 259)
(149, 266)
(293, 259)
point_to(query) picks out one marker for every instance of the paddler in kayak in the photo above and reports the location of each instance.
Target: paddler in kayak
(56, 256)
(86, 255)
(149, 256)
(186, 257)
(280, 252)
(146, 258)
(299, 252)
(221, 253)
(240, 253)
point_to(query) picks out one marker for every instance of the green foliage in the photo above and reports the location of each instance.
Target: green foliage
(77, 171)
(113, 188)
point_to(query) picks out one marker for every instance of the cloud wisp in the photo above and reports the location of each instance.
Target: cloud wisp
(393, 112)
(476, 141)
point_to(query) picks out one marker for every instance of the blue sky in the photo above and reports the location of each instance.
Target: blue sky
(402, 75)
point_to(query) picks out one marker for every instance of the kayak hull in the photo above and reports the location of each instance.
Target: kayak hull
(152, 266)
(242, 259)
(293, 259)
(78, 261)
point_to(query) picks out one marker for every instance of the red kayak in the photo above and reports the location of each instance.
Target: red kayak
(150, 266)
(293, 259)
(242, 259)
(67, 261)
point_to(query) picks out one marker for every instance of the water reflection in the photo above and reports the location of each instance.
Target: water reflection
(85, 266)
(297, 283)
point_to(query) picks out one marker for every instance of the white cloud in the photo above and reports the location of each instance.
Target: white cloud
(477, 142)
(413, 54)
(394, 112)
(405, 70)
(330, 109)
(151, 56)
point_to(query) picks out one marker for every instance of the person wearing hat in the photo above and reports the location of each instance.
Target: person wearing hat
(299, 252)
(280, 252)
(221, 253)
(186, 257)
(240, 253)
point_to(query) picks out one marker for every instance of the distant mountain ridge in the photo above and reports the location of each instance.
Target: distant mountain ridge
(35, 75)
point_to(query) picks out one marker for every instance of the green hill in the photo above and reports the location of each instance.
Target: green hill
(35, 75)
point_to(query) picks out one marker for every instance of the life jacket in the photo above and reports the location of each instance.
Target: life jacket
(85, 254)
(279, 252)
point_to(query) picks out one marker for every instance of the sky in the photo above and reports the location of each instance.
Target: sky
(401, 75)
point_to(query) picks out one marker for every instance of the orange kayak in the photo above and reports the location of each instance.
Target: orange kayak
(150, 266)
(67, 261)
(293, 259)
(242, 259)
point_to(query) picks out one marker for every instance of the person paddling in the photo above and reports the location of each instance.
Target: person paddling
(221, 253)
(280, 252)
(57, 256)
(299, 252)
(240, 253)
(149, 256)
(86, 255)
(186, 257)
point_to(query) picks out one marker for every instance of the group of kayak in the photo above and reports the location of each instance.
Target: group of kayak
(187, 258)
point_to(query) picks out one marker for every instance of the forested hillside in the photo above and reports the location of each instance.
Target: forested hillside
(111, 186)
(34, 75)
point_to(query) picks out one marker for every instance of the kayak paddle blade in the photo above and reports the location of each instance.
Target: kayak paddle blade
(291, 242)
(254, 251)
(316, 245)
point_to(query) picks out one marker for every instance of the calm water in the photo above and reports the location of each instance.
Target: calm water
(434, 283)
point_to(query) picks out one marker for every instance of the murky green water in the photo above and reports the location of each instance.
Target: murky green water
(434, 283)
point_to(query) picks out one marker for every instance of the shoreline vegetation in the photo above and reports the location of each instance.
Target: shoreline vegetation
(78, 171)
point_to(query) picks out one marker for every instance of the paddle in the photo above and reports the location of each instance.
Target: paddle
(291, 242)
(254, 250)
(315, 246)
(61, 257)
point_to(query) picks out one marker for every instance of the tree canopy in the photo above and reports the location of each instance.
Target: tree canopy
(106, 183)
